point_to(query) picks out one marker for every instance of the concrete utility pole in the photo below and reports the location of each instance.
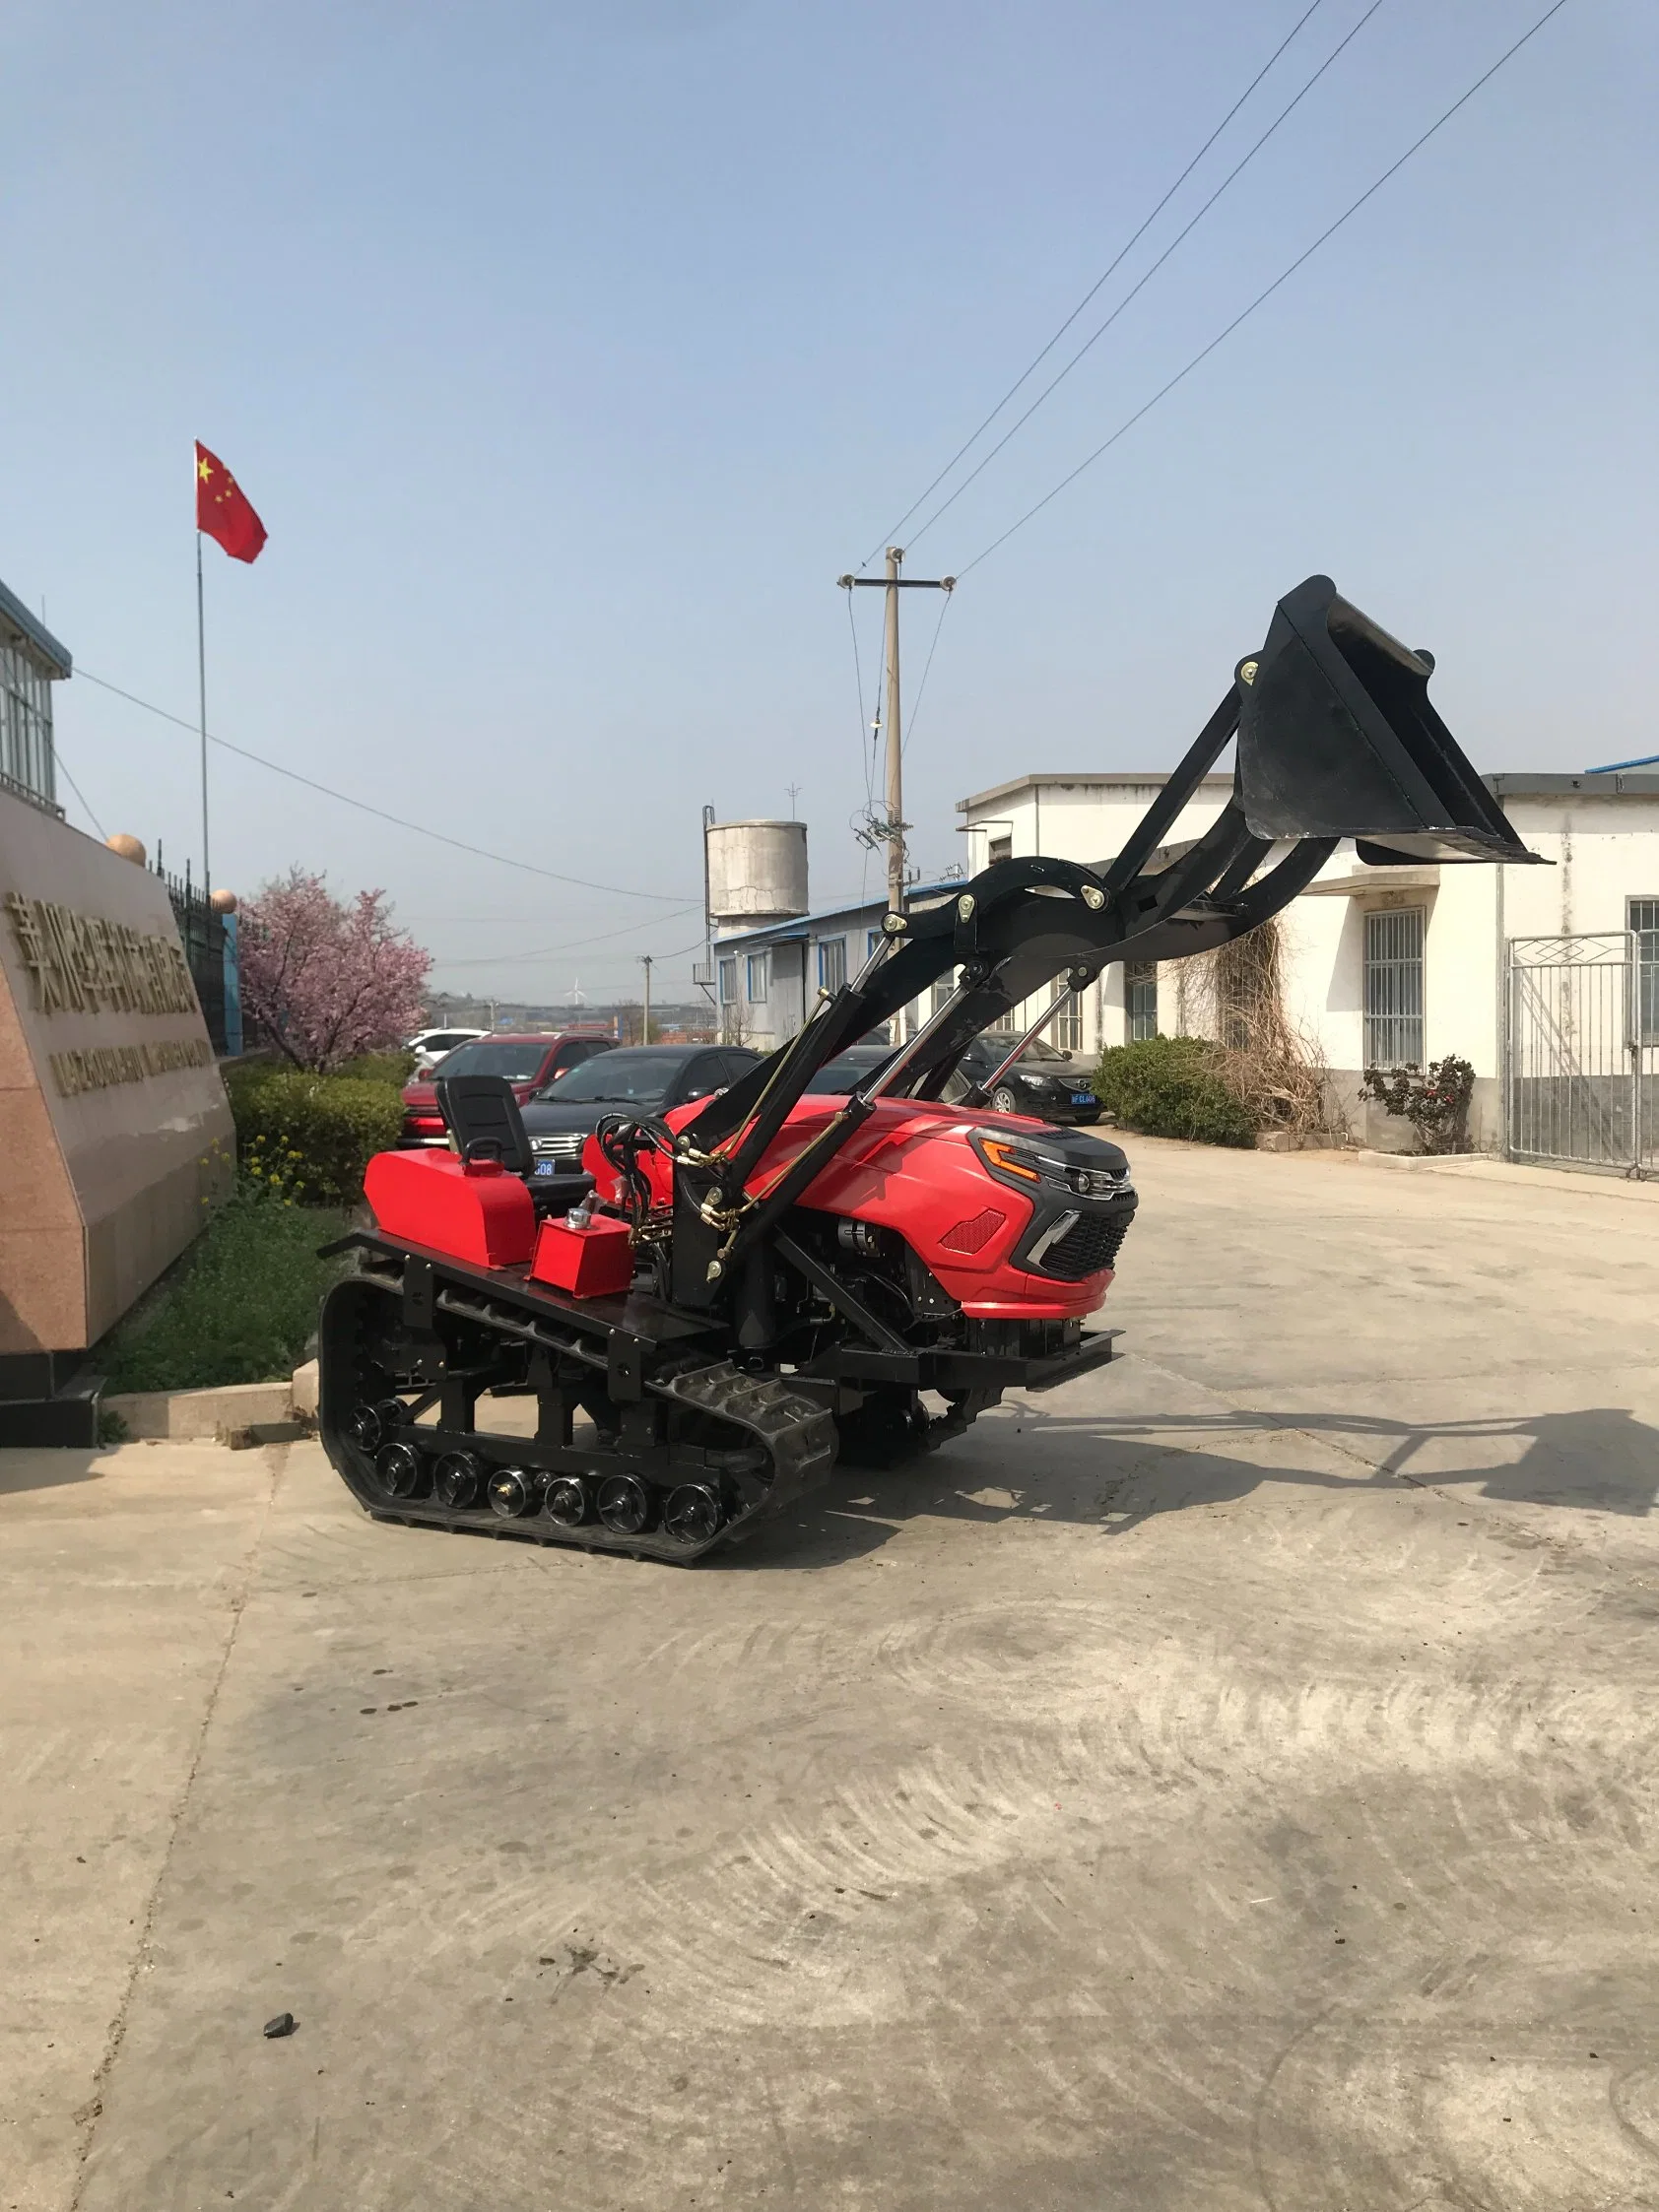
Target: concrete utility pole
(645, 959)
(892, 830)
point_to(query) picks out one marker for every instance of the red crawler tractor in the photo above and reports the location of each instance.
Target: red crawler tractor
(773, 1280)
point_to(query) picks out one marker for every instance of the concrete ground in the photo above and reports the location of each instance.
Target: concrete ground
(1228, 1783)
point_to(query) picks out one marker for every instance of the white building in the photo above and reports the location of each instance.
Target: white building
(1546, 979)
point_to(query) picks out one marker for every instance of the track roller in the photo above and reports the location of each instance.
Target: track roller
(399, 1470)
(566, 1501)
(458, 1480)
(371, 1426)
(693, 1514)
(513, 1492)
(625, 1504)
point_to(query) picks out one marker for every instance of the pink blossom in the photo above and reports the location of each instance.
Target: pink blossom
(326, 981)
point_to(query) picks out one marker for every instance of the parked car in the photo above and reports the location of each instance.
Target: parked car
(431, 1045)
(1040, 1082)
(532, 1064)
(641, 1079)
(852, 1068)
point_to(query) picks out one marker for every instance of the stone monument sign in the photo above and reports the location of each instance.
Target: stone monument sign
(115, 1135)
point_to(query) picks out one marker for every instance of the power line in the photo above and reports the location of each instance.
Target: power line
(678, 953)
(1142, 282)
(863, 725)
(62, 763)
(572, 945)
(1036, 363)
(927, 670)
(1284, 275)
(500, 859)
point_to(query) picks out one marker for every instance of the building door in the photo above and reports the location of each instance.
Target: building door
(1582, 1049)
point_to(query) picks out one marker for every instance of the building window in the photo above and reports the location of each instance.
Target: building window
(1067, 1026)
(1394, 986)
(998, 848)
(25, 723)
(872, 940)
(728, 981)
(1140, 1000)
(1643, 920)
(832, 962)
(758, 978)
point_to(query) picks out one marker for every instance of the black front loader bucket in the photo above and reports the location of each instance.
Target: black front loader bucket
(1337, 738)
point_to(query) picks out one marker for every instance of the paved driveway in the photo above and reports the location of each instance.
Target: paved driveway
(1229, 1783)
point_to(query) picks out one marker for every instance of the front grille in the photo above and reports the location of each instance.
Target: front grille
(563, 1144)
(1087, 1247)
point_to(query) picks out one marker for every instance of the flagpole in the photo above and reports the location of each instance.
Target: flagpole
(201, 679)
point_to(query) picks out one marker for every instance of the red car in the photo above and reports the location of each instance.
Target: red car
(530, 1063)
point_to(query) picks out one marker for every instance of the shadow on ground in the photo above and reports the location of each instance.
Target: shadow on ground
(37, 1469)
(1083, 1470)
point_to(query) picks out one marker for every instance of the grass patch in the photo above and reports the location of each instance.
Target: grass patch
(239, 1306)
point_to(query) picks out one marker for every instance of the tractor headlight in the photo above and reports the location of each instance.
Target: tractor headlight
(1018, 1161)
(1013, 1163)
(1095, 1182)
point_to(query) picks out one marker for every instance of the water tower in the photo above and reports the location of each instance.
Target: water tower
(757, 873)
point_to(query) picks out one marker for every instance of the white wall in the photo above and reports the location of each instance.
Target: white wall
(1087, 820)
(1605, 851)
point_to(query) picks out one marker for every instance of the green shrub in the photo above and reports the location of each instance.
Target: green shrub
(1435, 1102)
(1171, 1086)
(239, 1307)
(394, 1067)
(310, 1137)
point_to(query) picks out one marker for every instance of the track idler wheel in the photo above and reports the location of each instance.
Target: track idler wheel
(566, 1501)
(625, 1504)
(512, 1493)
(458, 1480)
(693, 1514)
(399, 1470)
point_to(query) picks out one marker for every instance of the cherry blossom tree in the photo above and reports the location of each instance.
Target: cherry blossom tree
(326, 980)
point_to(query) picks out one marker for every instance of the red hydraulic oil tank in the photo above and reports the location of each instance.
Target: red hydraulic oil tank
(475, 1211)
(595, 1260)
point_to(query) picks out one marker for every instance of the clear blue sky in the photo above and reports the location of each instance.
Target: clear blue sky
(570, 353)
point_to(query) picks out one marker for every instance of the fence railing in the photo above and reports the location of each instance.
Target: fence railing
(1582, 1073)
(202, 934)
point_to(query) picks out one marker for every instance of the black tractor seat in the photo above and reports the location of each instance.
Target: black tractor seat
(482, 1114)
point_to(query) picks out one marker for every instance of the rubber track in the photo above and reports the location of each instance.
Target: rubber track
(795, 1432)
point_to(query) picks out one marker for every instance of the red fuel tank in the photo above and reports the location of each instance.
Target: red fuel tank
(475, 1211)
(595, 1261)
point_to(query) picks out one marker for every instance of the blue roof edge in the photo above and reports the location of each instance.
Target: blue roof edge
(798, 926)
(13, 610)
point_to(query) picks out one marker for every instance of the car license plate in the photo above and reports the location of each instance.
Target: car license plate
(547, 1167)
(1083, 1098)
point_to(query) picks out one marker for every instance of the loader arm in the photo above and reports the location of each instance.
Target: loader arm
(1335, 739)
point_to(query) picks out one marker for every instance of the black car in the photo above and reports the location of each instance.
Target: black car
(1042, 1081)
(637, 1078)
(852, 1068)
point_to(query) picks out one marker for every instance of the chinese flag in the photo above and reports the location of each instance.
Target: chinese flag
(223, 510)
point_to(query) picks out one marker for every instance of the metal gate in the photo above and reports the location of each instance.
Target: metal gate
(1582, 1052)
